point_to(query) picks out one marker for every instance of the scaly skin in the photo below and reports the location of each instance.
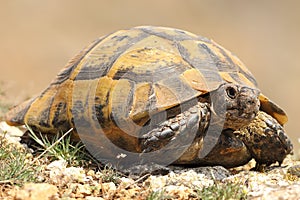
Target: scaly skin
(263, 139)
(266, 140)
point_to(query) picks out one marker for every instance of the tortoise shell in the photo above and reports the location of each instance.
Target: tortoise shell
(124, 78)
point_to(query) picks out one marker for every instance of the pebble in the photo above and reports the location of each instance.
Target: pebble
(84, 189)
(294, 170)
(37, 191)
(109, 187)
(93, 198)
(61, 174)
(57, 165)
(179, 185)
(125, 182)
(12, 134)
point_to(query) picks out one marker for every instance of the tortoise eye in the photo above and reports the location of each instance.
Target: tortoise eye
(231, 92)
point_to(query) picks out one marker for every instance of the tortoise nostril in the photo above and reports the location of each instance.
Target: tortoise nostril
(251, 102)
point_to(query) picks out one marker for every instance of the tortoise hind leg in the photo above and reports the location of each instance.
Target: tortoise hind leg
(16, 116)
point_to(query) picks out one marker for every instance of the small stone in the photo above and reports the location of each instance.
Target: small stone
(12, 134)
(37, 191)
(98, 174)
(178, 192)
(75, 173)
(285, 193)
(125, 182)
(11, 131)
(91, 173)
(57, 164)
(84, 189)
(157, 182)
(294, 170)
(93, 198)
(109, 187)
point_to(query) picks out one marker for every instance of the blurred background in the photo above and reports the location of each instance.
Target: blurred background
(37, 38)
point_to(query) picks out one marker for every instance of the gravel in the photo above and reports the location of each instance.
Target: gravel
(67, 182)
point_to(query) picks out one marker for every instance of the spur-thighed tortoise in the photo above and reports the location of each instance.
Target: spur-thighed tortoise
(162, 95)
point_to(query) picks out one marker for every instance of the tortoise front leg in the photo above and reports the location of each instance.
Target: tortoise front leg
(266, 140)
(191, 123)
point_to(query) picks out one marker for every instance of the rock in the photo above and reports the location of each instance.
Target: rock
(56, 169)
(214, 172)
(84, 189)
(58, 165)
(93, 198)
(283, 193)
(60, 174)
(274, 183)
(76, 173)
(37, 191)
(179, 192)
(156, 182)
(12, 134)
(179, 185)
(126, 182)
(109, 187)
(294, 170)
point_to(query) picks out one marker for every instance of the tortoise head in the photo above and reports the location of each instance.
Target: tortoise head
(237, 104)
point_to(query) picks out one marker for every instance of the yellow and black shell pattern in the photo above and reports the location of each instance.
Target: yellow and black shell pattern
(125, 77)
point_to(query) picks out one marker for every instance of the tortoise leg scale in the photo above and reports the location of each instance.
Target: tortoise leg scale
(266, 140)
(193, 121)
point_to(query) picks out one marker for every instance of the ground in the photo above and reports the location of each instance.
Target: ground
(44, 178)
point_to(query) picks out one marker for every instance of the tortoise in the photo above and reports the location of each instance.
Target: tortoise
(160, 95)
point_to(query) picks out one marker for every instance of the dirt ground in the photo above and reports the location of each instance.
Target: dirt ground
(38, 37)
